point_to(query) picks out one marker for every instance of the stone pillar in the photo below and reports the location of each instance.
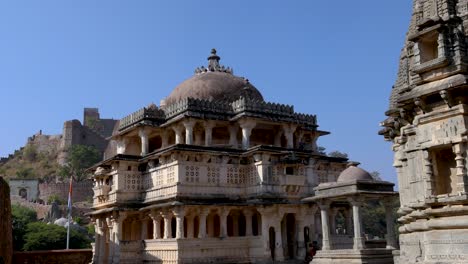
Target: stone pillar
(265, 230)
(248, 222)
(178, 134)
(202, 228)
(117, 222)
(233, 136)
(278, 138)
(459, 150)
(324, 207)
(358, 238)
(428, 174)
(279, 255)
(6, 235)
(224, 212)
(167, 225)
(179, 224)
(247, 126)
(164, 139)
(209, 125)
(143, 133)
(189, 124)
(97, 240)
(289, 134)
(301, 250)
(156, 221)
(391, 239)
(121, 145)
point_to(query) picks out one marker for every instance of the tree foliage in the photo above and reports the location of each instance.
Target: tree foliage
(374, 218)
(21, 217)
(42, 236)
(80, 157)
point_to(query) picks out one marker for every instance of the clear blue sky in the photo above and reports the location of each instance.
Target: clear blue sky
(335, 59)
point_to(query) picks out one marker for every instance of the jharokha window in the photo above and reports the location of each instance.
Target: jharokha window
(444, 169)
(429, 47)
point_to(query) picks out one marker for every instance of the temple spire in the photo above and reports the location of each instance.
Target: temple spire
(213, 65)
(213, 61)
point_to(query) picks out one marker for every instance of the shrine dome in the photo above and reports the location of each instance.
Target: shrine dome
(353, 173)
(214, 83)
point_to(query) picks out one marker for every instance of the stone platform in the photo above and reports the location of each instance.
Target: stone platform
(350, 256)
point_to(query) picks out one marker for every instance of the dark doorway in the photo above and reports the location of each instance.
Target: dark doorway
(290, 235)
(271, 233)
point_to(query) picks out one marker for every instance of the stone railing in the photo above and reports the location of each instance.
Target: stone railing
(214, 250)
(143, 113)
(197, 105)
(342, 241)
(161, 251)
(222, 109)
(130, 251)
(79, 256)
(243, 105)
(209, 250)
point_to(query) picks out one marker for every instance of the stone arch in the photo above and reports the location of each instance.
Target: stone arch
(23, 193)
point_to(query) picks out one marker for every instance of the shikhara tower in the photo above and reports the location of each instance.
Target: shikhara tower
(427, 124)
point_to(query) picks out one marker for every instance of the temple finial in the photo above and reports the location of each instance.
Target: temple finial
(213, 61)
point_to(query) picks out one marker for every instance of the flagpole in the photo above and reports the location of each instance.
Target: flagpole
(69, 211)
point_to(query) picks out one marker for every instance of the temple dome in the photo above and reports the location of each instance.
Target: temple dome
(214, 83)
(353, 173)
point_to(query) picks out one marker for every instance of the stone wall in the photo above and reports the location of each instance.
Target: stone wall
(45, 143)
(41, 209)
(6, 242)
(26, 188)
(54, 256)
(82, 191)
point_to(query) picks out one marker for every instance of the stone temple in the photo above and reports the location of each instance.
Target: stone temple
(217, 175)
(427, 124)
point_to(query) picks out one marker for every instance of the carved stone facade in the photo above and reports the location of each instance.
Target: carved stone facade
(213, 175)
(427, 124)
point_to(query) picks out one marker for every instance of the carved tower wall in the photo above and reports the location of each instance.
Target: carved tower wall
(427, 122)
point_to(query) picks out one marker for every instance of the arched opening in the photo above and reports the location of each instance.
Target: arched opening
(185, 227)
(340, 224)
(230, 226)
(255, 224)
(213, 225)
(217, 226)
(161, 228)
(196, 226)
(290, 236)
(125, 230)
(241, 224)
(23, 193)
(173, 227)
(149, 230)
(272, 240)
(154, 143)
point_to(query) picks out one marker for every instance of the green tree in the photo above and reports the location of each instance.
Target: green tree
(21, 217)
(42, 236)
(80, 157)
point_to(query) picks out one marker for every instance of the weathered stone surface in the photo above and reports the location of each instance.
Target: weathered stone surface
(427, 124)
(6, 238)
